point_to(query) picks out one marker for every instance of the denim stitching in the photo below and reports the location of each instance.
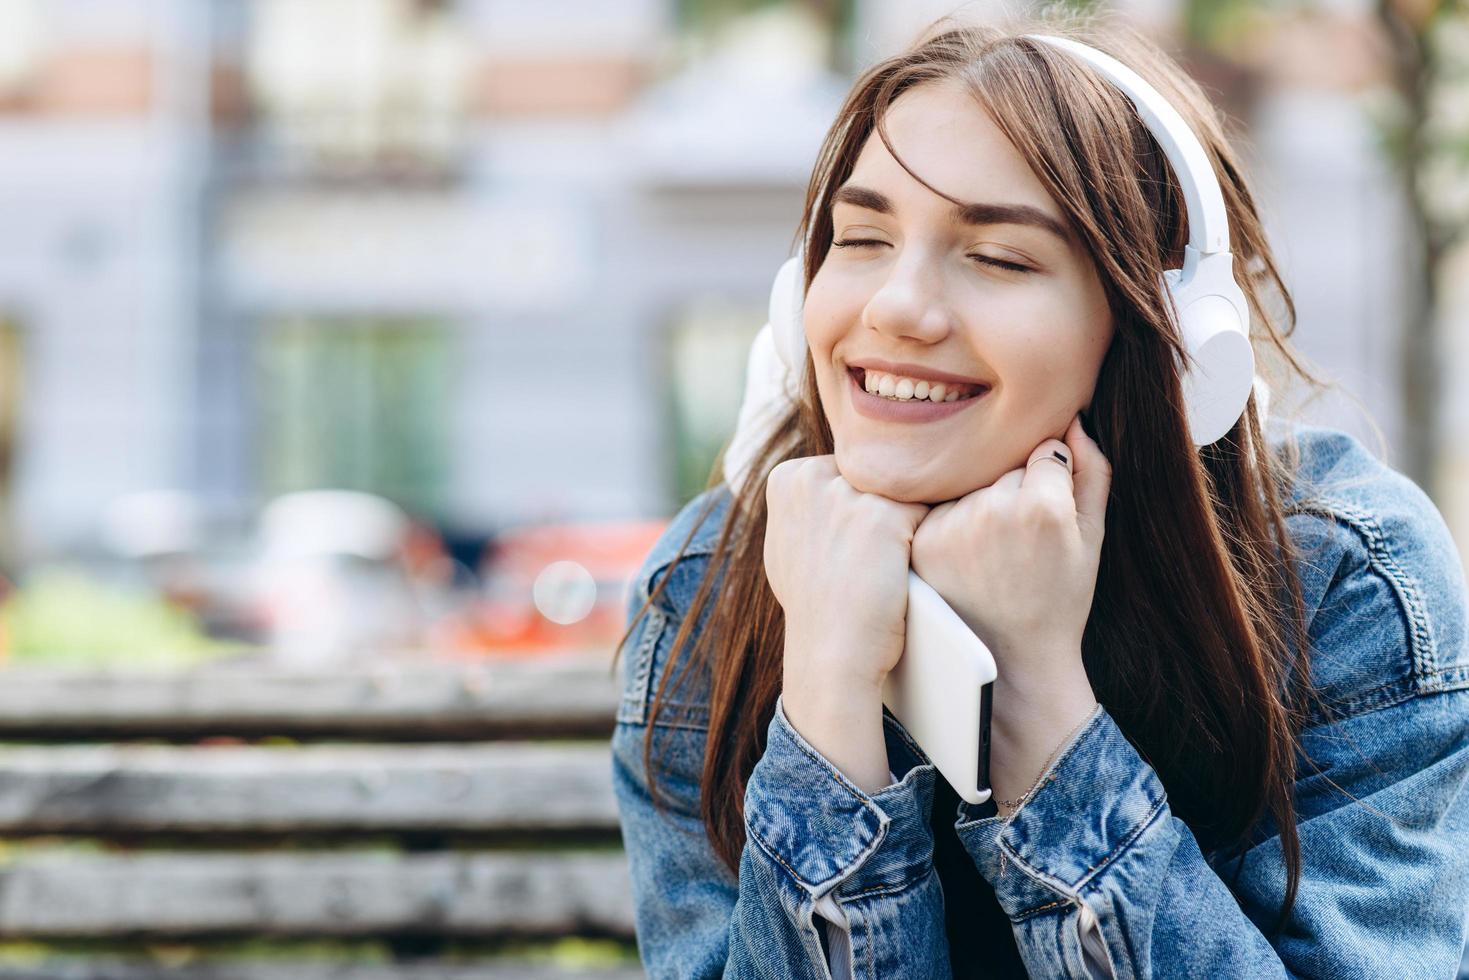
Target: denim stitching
(1039, 876)
(878, 891)
(866, 803)
(677, 710)
(1405, 589)
(641, 688)
(836, 776)
(769, 849)
(1033, 912)
(1051, 881)
(1448, 678)
(1394, 693)
(683, 726)
(702, 544)
(1134, 834)
(1373, 699)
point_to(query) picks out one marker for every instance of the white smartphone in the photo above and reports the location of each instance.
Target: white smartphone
(941, 691)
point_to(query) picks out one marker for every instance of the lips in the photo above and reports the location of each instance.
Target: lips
(917, 372)
(880, 409)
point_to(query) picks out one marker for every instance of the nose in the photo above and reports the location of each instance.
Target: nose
(911, 302)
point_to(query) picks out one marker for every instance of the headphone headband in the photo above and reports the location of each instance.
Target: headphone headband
(1208, 225)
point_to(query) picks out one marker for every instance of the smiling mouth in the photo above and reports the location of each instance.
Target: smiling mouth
(904, 390)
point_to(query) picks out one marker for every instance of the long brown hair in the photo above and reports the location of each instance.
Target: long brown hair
(1196, 640)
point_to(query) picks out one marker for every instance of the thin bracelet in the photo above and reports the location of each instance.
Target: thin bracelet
(1015, 803)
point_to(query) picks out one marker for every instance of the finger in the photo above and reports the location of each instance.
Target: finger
(1048, 471)
(913, 513)
(1092, 475)
(1009, 483)
(918, 513)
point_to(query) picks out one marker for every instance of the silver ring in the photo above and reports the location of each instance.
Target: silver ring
(1053, 459)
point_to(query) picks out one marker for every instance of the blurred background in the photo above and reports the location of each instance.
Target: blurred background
(353, 353)
(492, 267)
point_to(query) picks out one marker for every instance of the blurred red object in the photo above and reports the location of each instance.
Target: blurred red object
(506, 621)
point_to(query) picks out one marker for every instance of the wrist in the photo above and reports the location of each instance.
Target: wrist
(834, 666)
(1027, 739)
(833, 703)
(845, 726)
(1043, 699)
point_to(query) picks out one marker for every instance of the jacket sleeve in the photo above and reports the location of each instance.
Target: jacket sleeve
(812, 837)
(1096, 863)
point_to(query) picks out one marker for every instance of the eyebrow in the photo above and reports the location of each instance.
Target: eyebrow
(969, 214)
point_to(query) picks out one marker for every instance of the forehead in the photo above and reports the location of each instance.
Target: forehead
(941, 132)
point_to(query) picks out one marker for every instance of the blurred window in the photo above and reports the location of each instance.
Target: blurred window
(346, 85)
(708, 348)
(357, 405)
(21, 48)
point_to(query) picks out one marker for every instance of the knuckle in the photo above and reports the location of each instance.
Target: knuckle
(1039, 510)
(775, 482)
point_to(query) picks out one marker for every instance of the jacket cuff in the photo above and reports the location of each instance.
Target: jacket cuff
(825, 832)
(1088, 808)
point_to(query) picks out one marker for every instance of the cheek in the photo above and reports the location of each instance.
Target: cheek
(1048, 372)
(824, 316)
(1059, 345)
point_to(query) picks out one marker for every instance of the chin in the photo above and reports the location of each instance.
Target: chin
(894, 483)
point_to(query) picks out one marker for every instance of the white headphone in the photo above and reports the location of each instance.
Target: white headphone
(1213, 316)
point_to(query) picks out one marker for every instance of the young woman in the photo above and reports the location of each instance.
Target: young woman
(1231, 726)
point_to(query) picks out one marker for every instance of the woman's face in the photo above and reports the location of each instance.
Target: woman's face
(911, 290)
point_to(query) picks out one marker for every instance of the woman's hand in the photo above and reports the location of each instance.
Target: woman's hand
(1017, 560)
(837, 560)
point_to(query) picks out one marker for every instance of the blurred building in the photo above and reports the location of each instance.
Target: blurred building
(496, 261)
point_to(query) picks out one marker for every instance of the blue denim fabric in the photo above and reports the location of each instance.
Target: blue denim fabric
(1095, 860)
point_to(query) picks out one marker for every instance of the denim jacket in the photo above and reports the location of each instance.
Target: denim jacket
(1094, 873)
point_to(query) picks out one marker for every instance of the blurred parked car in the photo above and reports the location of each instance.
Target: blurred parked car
(331, 577)
(553, 587)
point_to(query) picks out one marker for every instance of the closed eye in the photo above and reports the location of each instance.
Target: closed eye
(982, 259)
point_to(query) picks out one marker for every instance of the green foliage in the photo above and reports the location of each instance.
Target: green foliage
(1218, 24)
(698, 14)
(1065, 7)
(62, 616)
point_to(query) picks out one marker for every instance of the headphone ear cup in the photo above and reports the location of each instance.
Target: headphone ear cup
(1213, 324)
(1217, 386)
(787, 297)
(772, 376)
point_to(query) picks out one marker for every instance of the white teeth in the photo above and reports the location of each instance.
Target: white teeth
(909, 389)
